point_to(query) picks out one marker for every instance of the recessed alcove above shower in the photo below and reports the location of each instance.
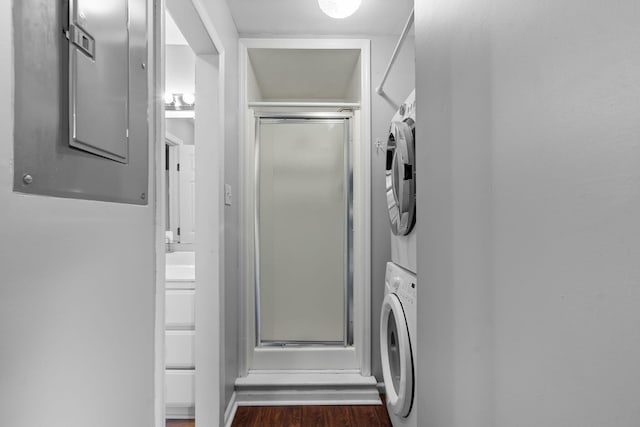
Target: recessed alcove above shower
(304, 75)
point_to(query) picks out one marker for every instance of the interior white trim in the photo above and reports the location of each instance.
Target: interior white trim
(156, 61)
(305, 378)
(362, 204)
(172, 139)
(230, 412)
(308, 397)
(180, 413)
(210, 250)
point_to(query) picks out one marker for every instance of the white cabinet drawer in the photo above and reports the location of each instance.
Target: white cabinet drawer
(180, 349)
(179, 388)
(180, 309)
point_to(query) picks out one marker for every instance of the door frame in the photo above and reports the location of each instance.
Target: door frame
(209, 247)
(362, 200)
(173, 144)
(322, 117)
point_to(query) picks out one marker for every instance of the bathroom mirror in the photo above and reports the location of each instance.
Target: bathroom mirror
(401, 177)
(180, 183)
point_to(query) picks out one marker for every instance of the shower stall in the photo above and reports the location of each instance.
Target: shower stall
(303, 230)
(305, 285)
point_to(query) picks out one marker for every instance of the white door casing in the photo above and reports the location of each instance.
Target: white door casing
(187, 178)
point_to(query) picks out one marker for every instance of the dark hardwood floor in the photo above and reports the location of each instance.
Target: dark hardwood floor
(180, 423)
(312, 416)
(305, 416)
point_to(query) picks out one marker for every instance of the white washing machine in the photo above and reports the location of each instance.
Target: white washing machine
(401, 185)
(398, 343)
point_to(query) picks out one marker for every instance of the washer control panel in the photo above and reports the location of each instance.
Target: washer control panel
(402, 283)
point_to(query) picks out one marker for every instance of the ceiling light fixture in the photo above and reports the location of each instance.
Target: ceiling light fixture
(339, 9)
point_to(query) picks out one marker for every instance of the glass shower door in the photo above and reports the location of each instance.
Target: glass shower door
(303, 240)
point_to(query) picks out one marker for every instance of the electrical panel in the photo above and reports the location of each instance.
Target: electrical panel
(81, 99)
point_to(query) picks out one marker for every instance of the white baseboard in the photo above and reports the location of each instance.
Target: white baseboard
(180, 412)
(287, 388)
(231, 409)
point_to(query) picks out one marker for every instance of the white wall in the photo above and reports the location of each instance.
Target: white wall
(528, 204)
(180, 71)
(355, 83)
(182, 128)
(253, 88)
(77, 297)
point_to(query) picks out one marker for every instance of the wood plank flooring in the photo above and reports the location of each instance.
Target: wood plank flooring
(180, 423)
(304, 416)
(312, 416)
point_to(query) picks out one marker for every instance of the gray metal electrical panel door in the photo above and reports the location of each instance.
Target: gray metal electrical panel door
(81, 99)
(99, 77)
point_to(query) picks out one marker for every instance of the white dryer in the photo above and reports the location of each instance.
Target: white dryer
(401, 185)
(398, 343)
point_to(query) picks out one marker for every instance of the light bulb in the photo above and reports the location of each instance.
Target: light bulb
(189, 98)
(339, 9)
(168, 98)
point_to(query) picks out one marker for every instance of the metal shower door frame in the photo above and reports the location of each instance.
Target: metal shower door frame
(320, 117)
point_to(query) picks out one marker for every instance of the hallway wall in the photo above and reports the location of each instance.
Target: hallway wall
(77, 296)
(529, 201)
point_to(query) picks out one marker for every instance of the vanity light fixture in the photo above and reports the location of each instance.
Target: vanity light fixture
(179, 101)
(189, 98)
(339, 9)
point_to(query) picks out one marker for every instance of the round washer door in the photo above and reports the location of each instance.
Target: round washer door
(397, 361)
(401, 177)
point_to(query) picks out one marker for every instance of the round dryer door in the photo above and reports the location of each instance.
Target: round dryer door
(401, 177)
(397, 361)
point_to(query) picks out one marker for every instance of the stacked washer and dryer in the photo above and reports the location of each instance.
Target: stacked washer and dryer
(399, 312)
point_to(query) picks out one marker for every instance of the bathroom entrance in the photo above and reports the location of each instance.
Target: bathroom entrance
(303, 231)
(190, 216)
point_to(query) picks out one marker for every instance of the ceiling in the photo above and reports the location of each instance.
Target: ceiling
(309, 74)
(304, 17)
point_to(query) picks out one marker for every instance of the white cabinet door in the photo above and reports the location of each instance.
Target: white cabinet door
(180, 309)
(180, 349)
(187, 177)
(180, 388)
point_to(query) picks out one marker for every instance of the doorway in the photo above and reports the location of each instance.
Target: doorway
(189, 224)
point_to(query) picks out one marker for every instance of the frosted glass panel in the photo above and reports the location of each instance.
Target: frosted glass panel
(302, 217)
